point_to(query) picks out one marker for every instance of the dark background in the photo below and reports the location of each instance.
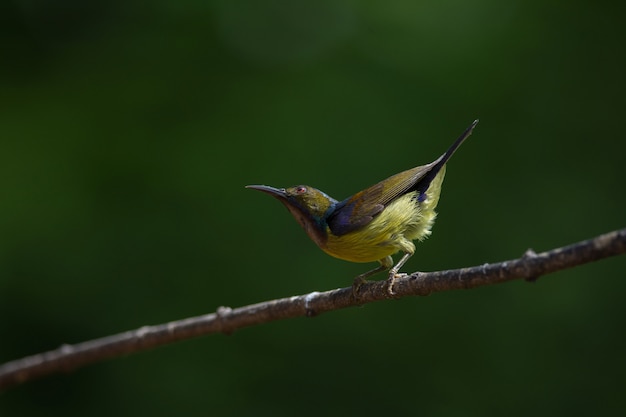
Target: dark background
(129, 130)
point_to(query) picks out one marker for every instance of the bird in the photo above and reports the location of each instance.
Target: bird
(375, 223)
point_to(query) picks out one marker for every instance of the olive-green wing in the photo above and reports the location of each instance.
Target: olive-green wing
(360, 209)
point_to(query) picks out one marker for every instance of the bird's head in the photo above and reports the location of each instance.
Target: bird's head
(308, 205)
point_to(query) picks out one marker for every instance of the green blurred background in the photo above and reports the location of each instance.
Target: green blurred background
(128, 131)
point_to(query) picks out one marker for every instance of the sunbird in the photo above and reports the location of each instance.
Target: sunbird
(373, 224)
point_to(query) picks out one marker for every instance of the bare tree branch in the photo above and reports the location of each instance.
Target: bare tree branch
(226, 320)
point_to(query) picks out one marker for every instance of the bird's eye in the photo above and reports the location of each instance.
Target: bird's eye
(301, 190)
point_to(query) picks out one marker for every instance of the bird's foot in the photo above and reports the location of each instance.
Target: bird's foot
(356, 286)
(393, 276)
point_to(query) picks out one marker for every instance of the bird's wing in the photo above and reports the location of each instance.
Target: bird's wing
(360, 209)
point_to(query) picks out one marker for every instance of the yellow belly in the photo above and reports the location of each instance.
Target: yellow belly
(391, 231)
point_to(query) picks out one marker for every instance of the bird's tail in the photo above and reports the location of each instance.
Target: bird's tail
(424, 183)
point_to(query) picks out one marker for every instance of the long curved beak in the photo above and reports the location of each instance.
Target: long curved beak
(274, 192)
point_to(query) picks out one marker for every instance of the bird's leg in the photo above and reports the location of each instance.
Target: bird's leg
(394, 274)
(359, 280)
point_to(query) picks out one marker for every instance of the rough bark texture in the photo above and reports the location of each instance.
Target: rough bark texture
(226, 320)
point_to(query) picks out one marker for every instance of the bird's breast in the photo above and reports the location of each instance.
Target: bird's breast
(403, 220)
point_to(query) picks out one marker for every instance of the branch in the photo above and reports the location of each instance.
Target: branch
(226, 320)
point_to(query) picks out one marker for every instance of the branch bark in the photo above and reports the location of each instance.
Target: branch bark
(226, 320)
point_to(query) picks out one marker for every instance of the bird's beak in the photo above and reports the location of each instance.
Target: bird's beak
(275, 192)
